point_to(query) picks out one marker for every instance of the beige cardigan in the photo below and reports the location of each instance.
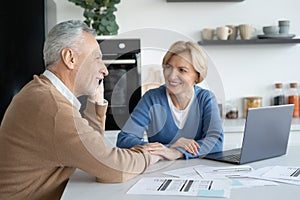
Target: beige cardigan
(43, 139)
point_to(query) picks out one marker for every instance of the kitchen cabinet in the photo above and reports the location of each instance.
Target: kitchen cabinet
(249, 42)
(235, 139)
(237, 125)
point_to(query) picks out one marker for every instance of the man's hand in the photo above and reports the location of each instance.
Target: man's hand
(189, 145)
(155, 159)
(163, 151)
(99, 94)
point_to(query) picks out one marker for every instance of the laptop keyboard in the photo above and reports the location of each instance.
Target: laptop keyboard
(233, 157)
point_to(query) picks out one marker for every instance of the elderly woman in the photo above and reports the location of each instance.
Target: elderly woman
(180, 118)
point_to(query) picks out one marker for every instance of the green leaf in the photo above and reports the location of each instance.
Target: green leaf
(88, 14)
(111, 17)
(111, 9)
(105, 22)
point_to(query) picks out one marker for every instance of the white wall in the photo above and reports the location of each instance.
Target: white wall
(244, 70)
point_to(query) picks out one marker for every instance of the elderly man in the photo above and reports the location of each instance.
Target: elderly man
(44, 138)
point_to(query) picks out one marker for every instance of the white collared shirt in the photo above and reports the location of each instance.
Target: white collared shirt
(60, 86)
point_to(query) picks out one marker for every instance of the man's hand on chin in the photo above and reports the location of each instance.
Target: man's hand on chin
(99, 94)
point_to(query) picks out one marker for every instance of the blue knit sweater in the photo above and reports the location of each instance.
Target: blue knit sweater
(153, 115)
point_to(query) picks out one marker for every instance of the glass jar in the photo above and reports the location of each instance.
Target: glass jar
(231, 110)
(251, 102)
(293, 98)
(278, 96)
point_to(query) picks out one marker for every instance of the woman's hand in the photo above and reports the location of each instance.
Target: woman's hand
(155, 146)
(159, 149)
(189, 145)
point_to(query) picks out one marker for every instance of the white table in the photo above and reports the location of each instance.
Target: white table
(83, 186)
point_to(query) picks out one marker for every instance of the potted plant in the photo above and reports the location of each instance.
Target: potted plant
(99, 14)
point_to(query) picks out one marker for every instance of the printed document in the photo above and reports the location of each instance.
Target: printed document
(283, 174)
(181, 186)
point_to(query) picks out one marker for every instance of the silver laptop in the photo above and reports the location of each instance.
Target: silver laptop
(266, 135)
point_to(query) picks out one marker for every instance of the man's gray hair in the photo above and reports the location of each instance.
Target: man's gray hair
(66, 34)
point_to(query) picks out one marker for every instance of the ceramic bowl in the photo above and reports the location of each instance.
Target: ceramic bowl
(270, 30)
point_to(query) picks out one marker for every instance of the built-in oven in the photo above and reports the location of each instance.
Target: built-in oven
(122, 87)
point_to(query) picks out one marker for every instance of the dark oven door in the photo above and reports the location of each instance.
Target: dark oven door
(122, 87)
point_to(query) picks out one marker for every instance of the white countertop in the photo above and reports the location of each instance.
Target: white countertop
(237, 125)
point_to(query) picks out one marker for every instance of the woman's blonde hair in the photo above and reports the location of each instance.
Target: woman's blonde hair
(199, 57)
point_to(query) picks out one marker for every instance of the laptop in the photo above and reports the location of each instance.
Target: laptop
(266, 135)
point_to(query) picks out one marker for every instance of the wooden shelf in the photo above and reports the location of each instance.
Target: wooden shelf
(252, 41)
(204, 0)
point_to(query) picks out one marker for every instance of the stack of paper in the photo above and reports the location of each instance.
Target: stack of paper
(283, 174)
